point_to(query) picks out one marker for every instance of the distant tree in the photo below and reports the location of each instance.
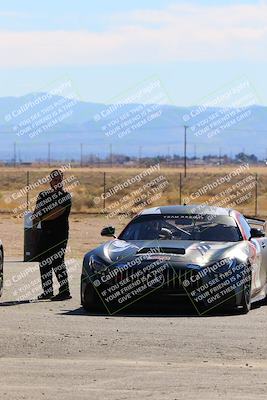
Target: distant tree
(177, 157)
(249, 158)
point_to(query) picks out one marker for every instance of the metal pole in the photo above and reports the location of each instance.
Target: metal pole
(15, 154)
(110, 155)
(49, 154)
(256, 196)
(81, 156)
(180, 188)
(185, 150)
(140, 156)
(28, 182)
(220, 156)
(104, 200)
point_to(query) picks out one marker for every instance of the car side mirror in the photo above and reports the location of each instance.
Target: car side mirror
(109, 231)
(256, 233)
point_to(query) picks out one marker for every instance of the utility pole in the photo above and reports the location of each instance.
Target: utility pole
(49, 154)
(15, 154)
(28, 183)
(81, 155)
(140, 156)
(19, 157)
(180, 190)
(195, 154)
(104, 199)
(110, 155)
(256, 195)
(185, 150)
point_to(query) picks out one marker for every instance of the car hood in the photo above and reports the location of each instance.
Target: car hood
(180, 252)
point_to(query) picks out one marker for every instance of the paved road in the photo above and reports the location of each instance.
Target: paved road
(56, 351)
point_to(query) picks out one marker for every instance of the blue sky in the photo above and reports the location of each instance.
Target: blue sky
(106, 46)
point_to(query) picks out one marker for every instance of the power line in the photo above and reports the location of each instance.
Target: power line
(144, 128)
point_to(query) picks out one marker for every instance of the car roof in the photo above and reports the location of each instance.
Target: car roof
(192, 209)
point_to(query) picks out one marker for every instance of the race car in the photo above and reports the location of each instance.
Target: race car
(211, 256)
(1, 268)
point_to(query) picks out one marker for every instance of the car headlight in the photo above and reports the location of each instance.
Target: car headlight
(193, 266)
(222, 266)
(97, 264)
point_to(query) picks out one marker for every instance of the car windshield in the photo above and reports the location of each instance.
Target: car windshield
(215, 228)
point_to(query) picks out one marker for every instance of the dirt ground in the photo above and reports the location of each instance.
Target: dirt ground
(57, 351)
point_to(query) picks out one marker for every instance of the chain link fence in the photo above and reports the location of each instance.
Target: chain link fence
(121, 191)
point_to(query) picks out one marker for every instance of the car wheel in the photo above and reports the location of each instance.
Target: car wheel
(1, 271)
(246, 298)
(91, 301)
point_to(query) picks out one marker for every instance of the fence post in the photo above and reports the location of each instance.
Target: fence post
(180, 183)
(256, 195)
(49, 155)
(28, 182)
(104, 200)
(81, 155)
(15, 154)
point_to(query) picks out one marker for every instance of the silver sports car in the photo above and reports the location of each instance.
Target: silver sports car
(1, 267)
(211, 256)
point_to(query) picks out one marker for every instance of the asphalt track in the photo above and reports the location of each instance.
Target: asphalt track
(57, 351)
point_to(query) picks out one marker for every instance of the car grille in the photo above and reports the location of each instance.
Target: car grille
(173, 278)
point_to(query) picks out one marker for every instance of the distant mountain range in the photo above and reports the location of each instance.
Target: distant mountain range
(37, 119)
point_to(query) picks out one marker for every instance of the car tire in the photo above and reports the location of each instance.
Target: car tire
(1, 271)
(91, 301)
(245, 305)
